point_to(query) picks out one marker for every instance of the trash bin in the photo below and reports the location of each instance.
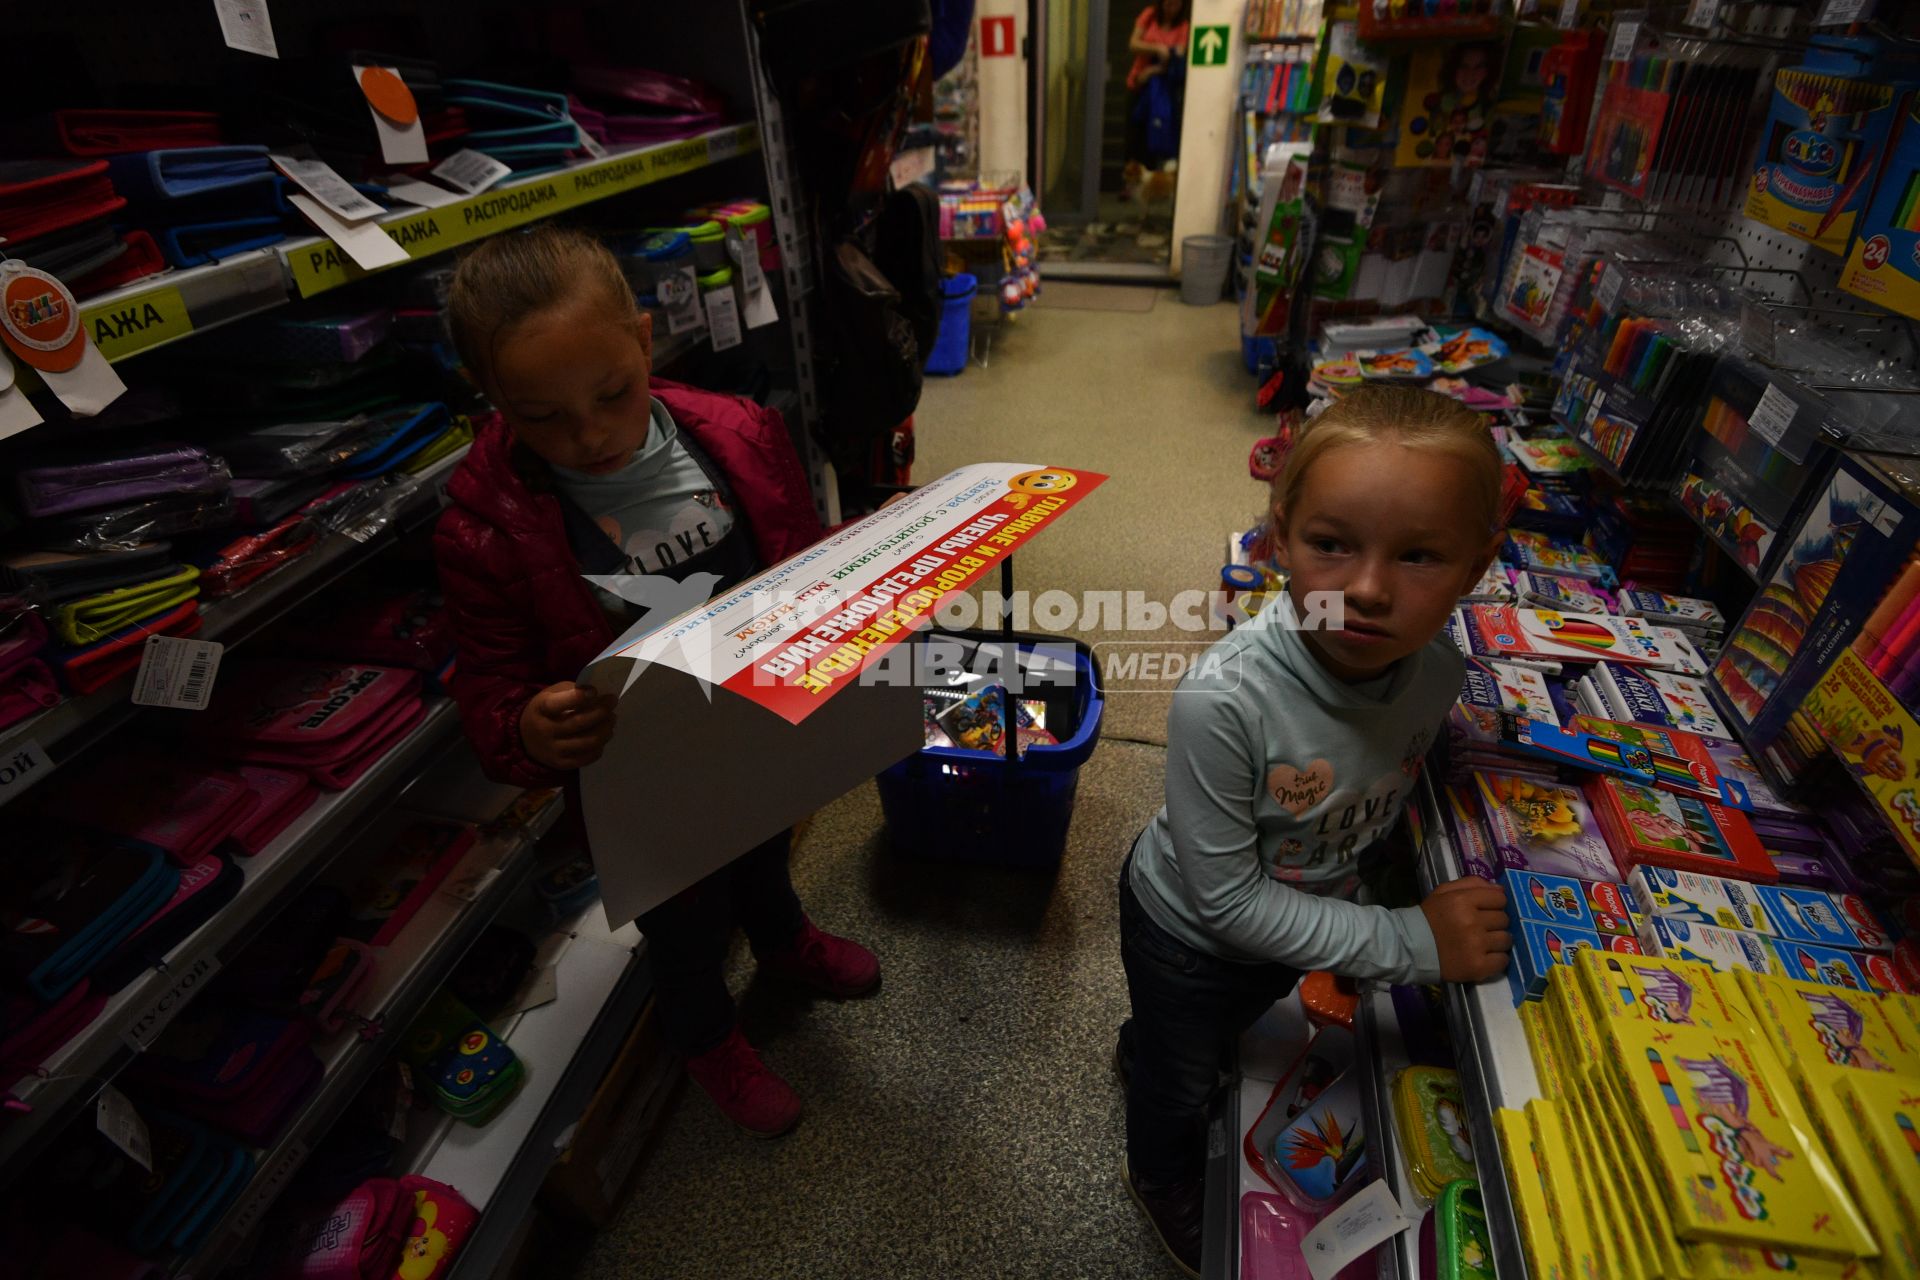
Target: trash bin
(952, 804)
(1203, 268)
(953, 344)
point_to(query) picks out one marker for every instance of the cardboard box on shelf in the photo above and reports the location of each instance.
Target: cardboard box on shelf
(586, 1182)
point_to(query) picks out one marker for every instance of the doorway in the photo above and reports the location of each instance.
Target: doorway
(1108, 89)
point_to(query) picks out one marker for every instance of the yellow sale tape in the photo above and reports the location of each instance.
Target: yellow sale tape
(321, 266)
(144, 320)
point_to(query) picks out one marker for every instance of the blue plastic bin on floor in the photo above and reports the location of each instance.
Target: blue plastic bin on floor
(953, 344)
(950, 804)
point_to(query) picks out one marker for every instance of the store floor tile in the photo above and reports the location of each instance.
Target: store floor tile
(963, 1121)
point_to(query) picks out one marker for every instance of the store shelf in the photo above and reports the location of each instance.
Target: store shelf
(407, 973)
(177, 304)
(1381, 1056)
(1220, 1242)
(1490, 1051)
(63, 732)
(317, 265)
(73, 1076)
(566, 1047)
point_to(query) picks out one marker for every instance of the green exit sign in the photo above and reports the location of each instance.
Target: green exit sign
(1209, 47)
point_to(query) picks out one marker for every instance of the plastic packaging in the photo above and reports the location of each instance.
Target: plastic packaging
(116, 479)
(1432, 1119)
(124, 528)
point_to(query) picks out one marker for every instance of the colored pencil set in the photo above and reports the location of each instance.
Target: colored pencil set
(1669, 124)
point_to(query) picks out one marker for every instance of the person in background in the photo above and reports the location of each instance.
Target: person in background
(1159, 36)
(1290, 755)
(596, 467)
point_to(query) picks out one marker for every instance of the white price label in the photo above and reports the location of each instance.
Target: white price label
(679, 293)
(267, 1188)
(1569, 14)
(1608, 293)
(26, 765)
(723, 317)
(1701, 13)
(591, 144)
(1593, 409)
(1624, 36)
(318, 179)
(744, 249)
(123, 1127)
(246, 26)
(471, 171)
(1835, 12)
(1364, 1222)
(1773, 415)
(180, 990)
(177, 673)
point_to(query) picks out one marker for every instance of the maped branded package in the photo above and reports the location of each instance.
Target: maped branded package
(1653, 827)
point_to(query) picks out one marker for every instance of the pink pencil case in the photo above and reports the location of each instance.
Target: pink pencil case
(183, 810)
(26, 691)
(356, 1239)
(257, 1115)
(33, 1032)
(284, 795)
(1271, 1230)
(438, 1211)
(342, 976)
(330, 720)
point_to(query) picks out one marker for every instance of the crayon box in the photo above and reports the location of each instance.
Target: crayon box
(1580, 904)
(1699, 899)
(1538, 947)
(1725, 950)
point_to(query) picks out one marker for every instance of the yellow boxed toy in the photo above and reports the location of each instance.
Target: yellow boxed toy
(1684, 992)
(1564, 1199)
(1815, 1026)
(1906, 1012)
(1734, 1148)
(1538, 1235)
(1546, 1063)
(1885, 1111)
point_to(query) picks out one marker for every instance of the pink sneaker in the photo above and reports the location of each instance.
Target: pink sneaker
(837, 966)
(744, 1089)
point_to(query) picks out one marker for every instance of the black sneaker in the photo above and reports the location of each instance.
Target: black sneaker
(1178, 1214)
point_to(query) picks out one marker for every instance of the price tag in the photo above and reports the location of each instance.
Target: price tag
(123, 1127)
(335, 193)
(1609, 291)
(181, 989)
(1773, 415)
(245, 25)
(1569, 14)
(1701, 13)
(26, 765)
(679, 293)
(366, 242)
(744, 249)
(723, 317)
(590, 144)
(177, 673)
(1365, 1221)
(425, 194)
(1593, 409)
(396, 117)
(1624, 36)
(470, 171)
(1835, 12)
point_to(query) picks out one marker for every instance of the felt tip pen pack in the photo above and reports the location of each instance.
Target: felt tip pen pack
(1538, 948)
(1563, 592)
(1699, 899)
(1724, 950)
(1606, 909)
(1651, 827)
(1824, 919)
(1664, 699)
(1851, 970)
(1506, 631)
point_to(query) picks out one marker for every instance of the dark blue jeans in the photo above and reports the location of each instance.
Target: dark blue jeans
(1189, 1009)
(688, 936)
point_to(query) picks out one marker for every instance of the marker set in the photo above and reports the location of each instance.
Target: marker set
(1669, 129)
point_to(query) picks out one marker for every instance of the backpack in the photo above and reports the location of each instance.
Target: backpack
(907, 251)
(874, 381)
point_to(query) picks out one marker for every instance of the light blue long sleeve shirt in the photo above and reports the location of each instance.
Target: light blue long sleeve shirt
(1278, 776)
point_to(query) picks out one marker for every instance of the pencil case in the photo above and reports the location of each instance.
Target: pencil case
(295, 448)
(207, 885)
(529, 149)
(72, 252)
(1462, 1247)
(1271, 1231)
(27, 690)
(639, 130)
(95, 617)
(284, 795)
(142, 258)
(30, 1032)
(97, 665)
(456, 437)
(60, 488)
(140, 1208)
(493, 969)
(568, 888)
(22, 636)
(262, 502)
(87, 895)
(490, 100)
(68, 575)
(653, 91)
(1432, 1120)
(357, 1238)
(117, 528)
(406, 431)
(38, 197)
(236, 181)
(394, 629)
(332, 721)
(160, 802)
(469, 1071)
(196, 244)
(437, 1228)
(341, 978)
(216, 1054)
(403, 876)
(1295, 1127)
(272, 970)
(233, 1171)
(338, 338)
(247, 559)
(106, 131)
